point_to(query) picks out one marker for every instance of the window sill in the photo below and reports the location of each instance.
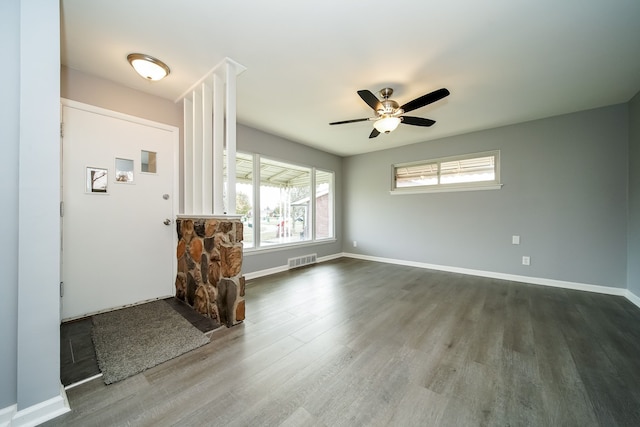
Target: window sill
(445, 189)
(285, 246)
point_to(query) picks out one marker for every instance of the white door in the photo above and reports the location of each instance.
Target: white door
(118, 188)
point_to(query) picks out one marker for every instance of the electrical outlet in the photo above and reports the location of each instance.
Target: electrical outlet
(515, 240)
(526, 260)
(355, 244)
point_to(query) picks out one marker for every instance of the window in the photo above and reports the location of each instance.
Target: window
(480, 171)
(148, 161)
(244, 195)
(293, 203)
(285, 213)
(124, 170)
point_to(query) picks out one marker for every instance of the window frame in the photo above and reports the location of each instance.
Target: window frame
(297, 167)
(494, 184)
(331, 203)
(256, 205)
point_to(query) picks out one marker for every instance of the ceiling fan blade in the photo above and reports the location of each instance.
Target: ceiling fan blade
(374, 133)
(348, 121)
(370, 99)
(427, 99)
(417, 121)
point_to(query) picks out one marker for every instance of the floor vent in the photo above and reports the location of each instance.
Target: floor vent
(302, 260)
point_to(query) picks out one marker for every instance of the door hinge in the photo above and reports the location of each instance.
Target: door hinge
(61, 209)
(61, 129)
(61, 289)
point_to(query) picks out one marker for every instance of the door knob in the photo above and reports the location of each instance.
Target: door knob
(167, 221)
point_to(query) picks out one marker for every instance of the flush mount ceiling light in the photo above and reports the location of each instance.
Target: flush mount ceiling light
(148, 67)
(386, 124)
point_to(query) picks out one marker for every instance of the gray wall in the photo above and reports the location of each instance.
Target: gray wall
(633, 257)
(565, 194)
(99, 92)
(255, 141)
(10, 137)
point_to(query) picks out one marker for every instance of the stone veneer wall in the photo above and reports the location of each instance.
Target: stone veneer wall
(209, 275)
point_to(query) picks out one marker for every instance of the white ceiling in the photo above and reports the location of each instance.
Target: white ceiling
(504, 61)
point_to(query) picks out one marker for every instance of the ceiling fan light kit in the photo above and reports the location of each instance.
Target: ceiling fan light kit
(389, 114)
(386, 124)
(148, 67)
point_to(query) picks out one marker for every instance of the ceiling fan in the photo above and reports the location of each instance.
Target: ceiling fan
(389, 114)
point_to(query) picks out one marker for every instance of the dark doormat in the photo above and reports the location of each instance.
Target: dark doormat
(133, 339)
(77, 354)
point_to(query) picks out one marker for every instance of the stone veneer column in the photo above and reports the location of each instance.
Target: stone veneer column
(209, 275)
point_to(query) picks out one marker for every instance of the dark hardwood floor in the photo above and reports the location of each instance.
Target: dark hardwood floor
(359, 343)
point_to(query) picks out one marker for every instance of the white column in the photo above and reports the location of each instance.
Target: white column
(218, 144)
(38, 214)
(197, 151)
(231, 138)
(209, 126)
(207, 149)
(188, 156)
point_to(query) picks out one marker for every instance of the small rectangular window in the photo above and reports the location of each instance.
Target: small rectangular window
(97, 180)
(479, 171)
(148, 161)
(124, 170)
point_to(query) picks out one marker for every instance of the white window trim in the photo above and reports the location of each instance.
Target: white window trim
(445, 188)
(332, 192)
(257, 243)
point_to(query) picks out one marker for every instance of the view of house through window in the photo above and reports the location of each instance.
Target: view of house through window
(286, 206)
(324, 204)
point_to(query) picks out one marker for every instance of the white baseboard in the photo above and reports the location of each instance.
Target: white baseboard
(266, 272)
(490, 274)
(504, 276)
(279, 269)
(36, 414)
(6, 415)
(107, 310)
(632, 297)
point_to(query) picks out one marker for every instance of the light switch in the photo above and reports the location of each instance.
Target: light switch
(515, 240)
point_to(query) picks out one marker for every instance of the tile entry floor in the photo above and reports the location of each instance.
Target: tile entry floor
(77, 355)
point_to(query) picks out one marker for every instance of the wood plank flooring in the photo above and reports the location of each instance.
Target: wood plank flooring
(359, 343)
